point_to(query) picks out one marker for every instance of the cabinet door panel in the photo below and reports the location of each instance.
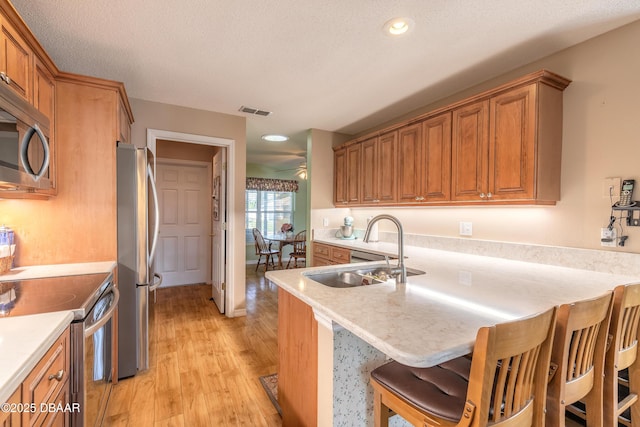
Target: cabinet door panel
(469, 151)
(409, 163)
(339, 177)
(16, 60)
(436, 182)
(353, 173)
(370, 189)
(512, 141)
(387, 167)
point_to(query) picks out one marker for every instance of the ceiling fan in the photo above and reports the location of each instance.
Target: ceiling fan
(300, 171)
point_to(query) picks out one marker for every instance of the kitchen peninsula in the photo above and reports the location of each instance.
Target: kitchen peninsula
(432, 318)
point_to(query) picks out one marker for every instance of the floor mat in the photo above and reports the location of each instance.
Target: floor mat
(270, 384)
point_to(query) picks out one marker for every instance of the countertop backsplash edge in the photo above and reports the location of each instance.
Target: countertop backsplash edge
(614, 262)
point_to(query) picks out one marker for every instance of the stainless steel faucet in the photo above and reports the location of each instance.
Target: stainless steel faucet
(400, 271)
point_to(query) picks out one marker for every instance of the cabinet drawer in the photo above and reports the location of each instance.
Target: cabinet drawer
(48, 378)
(321, 250)
(340, 255)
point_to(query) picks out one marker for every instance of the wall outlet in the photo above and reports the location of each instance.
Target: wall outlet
(608, 238)
(466, 228)
(611, 187)
(325, 222)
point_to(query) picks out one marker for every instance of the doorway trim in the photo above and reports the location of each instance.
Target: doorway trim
(152, 136)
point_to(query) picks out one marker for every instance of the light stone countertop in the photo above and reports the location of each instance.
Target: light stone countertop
(55, 270)
(23, 342)
(435, 317)
(25, 339)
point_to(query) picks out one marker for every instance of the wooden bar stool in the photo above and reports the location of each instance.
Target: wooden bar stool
(504, 383)
(622, 354)
(578, 354)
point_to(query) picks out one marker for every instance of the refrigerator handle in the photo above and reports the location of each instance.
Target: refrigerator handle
(156, 229)
(156, 283)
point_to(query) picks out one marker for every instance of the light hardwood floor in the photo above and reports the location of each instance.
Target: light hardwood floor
(205, 367)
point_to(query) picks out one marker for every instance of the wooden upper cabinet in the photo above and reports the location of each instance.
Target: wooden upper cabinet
(124, 125)
(340, 176)
(346, 164)
(409, 163)
(16, 60)
(353, 174)
(503, 145)
(469, 151)
(44, 87)
(387, 167)
(436, 155)
(512, 137)
(370, 178)
(508, 148)
(379, 169)
(425, 161)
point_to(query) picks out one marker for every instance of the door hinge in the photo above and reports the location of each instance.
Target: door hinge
(224, 226)
(224, 286)
(224, 166)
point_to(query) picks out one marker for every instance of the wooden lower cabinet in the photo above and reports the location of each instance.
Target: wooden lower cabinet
(297, 361)
(324, 254)
(45, 387)
(10, 418)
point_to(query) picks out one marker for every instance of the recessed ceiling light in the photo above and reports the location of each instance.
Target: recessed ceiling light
(275, 138)
(398, 26)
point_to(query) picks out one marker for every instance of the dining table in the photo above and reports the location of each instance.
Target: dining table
(282, 239)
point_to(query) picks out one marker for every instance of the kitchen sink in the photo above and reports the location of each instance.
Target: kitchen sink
(358, 277)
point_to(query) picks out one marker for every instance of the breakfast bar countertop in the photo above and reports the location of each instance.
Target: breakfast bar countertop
(435, 317)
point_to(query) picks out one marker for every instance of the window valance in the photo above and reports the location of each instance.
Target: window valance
(269, 184)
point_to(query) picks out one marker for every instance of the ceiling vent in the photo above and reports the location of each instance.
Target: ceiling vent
(255, 111)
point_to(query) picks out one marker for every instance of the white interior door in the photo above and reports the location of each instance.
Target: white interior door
(183, 245)
(218, 229)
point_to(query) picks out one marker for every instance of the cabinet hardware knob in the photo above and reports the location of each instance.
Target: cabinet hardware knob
(57, 376)
(489, 195)
(7, 79)
(482, 195)
(3, 76)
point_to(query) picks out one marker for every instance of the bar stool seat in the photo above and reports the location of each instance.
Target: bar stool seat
(441, 390)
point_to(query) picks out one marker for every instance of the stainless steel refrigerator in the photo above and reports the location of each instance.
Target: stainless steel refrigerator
(138, 222)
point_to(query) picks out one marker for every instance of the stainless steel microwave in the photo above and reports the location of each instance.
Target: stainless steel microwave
(24, 144)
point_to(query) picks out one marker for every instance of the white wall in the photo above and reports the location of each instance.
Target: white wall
(600, 139)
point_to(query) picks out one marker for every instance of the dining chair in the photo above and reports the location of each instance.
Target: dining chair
(264, 248)
(577, 360)
(503, 383)
(299, 248)
(621, 363)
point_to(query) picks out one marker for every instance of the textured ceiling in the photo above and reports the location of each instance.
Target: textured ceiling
(315, 64)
